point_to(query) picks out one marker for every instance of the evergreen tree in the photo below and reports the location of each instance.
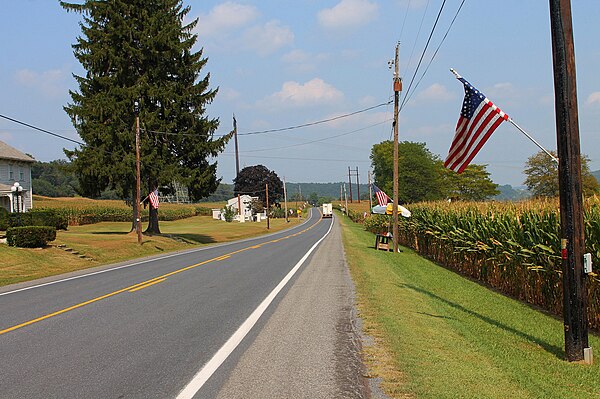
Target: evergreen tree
(141, 50)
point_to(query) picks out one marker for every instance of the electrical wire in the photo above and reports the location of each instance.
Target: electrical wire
(422, 54)
(318, 140)
(436, 51)
(41, 130)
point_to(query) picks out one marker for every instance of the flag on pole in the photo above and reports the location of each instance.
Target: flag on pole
(479, 117)
(153, 197)
(382, 197)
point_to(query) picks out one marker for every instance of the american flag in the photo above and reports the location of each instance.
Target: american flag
(478, 119)
(153, 197)
(382, 197)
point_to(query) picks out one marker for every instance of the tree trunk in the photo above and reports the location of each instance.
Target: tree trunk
(153, 227)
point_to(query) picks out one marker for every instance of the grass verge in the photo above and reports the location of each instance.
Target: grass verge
(111, 242)
(438, 335)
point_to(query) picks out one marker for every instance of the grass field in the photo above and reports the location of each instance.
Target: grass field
(111, 242)
(438, 335)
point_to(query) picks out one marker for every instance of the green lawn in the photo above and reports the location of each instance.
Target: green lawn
(111, 242)
(438, 335)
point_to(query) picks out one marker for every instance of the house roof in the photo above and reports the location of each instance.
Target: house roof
(8, 152)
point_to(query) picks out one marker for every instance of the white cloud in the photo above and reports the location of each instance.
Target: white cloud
(225, 17)
(268, 38)
(229, 94)
(594, 99)
(435, 92)
(348, 14)
(367, 101)
(50, 83)
(300, 61)
(313, 92)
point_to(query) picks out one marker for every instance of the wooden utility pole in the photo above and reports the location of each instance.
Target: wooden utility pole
(397, 90)
(267, 211)
(357, 185)
(138, 220)
(285, 201)
(370, 192)
(237, 166)
(569, 174)
(350, 184)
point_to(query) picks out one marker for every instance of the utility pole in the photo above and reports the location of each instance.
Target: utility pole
(370, 192)
(569, 173)
(285, 201)
(357, 185)
(350, 184)
(138, 220)
(397, 90)
(267, 212)
(237, 166)
(346, 198)
(341, 195)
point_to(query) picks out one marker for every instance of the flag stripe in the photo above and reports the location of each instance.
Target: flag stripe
(478, 119)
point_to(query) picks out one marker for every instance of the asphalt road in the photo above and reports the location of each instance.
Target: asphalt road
(145, 329)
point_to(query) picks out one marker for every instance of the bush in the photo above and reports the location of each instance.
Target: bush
(377, 224)
(30, 236)
(277, 213)
(4, 214)
(39, 217)
(228, 213)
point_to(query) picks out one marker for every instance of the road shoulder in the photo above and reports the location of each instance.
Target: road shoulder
(310, 346)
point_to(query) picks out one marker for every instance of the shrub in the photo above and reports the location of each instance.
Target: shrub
(228, 213)
(4, 214)
(39, 217)
(30, 236)
(277, 213)
(377, 224)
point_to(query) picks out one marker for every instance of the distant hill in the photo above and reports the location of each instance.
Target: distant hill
(510, 193)
(596, 174)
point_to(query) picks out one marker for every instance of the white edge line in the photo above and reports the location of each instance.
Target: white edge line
(146, 261)
(222, 354)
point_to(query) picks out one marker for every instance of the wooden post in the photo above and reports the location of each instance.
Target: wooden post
(138, 218)
(357, 185)
(285, 201)
(397, 90)
(569, 173)
(267, 211)
(350, 184)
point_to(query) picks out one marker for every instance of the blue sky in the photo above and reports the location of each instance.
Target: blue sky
(282, 63)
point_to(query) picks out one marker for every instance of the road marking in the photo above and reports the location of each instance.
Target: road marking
(223, 353)
(147, 282)
(146, 261)
(141, 287)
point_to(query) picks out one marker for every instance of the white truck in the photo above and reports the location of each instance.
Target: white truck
(327, 210)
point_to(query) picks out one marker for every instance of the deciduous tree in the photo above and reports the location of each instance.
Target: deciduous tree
(252, 180)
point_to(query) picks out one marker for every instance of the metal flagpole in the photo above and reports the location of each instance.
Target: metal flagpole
(532, 139)
(518, 127)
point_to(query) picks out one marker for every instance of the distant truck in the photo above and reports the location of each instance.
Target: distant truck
(327, 210)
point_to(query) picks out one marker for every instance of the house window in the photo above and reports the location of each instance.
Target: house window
(21, 174)
(10, 173)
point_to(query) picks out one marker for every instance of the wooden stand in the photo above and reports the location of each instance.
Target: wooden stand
(384, 242)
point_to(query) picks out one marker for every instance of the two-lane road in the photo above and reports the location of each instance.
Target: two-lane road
(146, 329)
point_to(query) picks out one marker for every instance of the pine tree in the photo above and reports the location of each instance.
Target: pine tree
(141, 50)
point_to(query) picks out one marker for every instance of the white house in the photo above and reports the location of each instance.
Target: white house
(246, 214)
(15, 167)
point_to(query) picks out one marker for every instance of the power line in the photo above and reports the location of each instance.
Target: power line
(423, 54)
(41, 130)
(318, 140)
(436, 51)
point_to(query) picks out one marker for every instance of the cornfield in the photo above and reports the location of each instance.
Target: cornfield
(513, 247)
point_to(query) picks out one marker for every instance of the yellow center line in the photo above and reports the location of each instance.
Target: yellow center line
(138, 286)
(141, 287)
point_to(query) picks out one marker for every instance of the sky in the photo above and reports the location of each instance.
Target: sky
(280, 63)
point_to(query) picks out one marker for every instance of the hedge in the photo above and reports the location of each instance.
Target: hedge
(39, 217)
(30, 236)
